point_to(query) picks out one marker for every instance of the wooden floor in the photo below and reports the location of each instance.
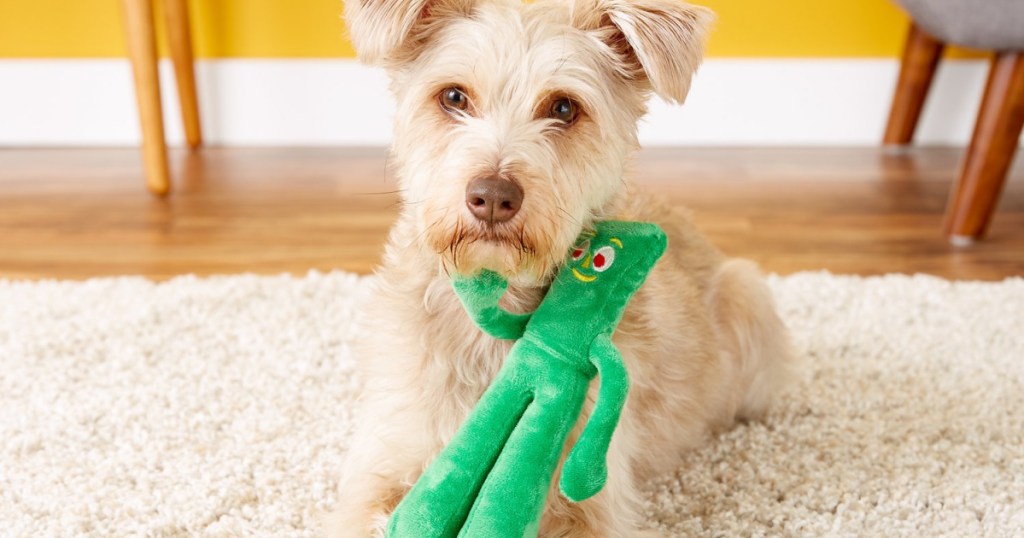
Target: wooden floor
(83, 213)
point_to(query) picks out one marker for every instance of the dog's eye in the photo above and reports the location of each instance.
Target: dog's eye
(564, 110)
(603, 259)
(453, 99)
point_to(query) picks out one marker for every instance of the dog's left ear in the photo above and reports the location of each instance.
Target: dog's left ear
(386, 31)
(657, 41)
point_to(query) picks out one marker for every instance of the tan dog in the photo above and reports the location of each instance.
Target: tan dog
(514, 126)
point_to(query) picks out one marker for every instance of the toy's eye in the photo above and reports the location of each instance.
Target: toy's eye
(603, 259)
(580, 250)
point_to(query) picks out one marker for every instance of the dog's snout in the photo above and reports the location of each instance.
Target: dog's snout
(493, 199)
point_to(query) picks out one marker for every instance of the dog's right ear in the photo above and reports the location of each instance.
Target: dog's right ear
(385, 31)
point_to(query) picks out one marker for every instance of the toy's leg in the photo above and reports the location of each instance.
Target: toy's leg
(585, 471)
(439, 502)
(512, 498)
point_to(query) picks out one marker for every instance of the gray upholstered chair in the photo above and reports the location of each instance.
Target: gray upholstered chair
(996, 25)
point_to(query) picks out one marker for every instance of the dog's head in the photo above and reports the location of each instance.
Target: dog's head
(515, 121)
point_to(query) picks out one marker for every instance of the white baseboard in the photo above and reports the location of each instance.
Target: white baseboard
(339, 102)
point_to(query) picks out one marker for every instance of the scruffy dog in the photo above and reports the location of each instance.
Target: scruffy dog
(515, 123)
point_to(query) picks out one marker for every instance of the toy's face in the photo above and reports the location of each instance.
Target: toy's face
(613, 250)
(591, 257)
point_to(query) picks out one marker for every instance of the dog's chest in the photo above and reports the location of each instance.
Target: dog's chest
(462, 358)
(463, 355)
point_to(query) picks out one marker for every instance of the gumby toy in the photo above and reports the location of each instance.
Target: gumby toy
(492, 479)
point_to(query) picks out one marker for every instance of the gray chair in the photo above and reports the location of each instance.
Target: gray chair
(996, 25)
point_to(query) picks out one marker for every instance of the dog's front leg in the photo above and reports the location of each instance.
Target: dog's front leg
(382, 463)
(369, 491)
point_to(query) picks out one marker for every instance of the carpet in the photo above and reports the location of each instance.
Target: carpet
(221, 407)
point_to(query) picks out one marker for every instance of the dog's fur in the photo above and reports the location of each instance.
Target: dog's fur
(701, 340)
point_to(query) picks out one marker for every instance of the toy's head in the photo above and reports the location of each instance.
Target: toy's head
(614, 251)
(602, 272)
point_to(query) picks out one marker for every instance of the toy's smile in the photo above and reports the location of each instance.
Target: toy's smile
(582, 277)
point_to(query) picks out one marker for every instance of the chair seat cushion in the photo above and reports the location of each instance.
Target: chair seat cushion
(983, 24)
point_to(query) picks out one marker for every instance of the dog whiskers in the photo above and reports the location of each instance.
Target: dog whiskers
(421, 234)
(572, 219)
(380, 193)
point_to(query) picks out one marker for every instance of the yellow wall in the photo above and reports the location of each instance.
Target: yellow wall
(313, 28)
(221, 28)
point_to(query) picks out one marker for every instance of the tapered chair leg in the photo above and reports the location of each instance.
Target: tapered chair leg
(920, 57)
(138, 16)
(992, 148)
(180, 38)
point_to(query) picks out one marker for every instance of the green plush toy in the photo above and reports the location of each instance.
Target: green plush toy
(493, 477)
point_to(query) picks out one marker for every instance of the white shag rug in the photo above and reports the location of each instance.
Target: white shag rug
(221, 407)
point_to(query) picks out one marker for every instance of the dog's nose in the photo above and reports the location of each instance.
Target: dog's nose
(493, 199)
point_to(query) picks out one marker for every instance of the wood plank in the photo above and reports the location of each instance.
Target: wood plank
(83, 213)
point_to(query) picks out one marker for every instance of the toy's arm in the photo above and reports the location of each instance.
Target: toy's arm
(586, 469)
(479, 295)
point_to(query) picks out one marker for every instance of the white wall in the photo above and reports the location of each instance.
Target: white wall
(339, 102)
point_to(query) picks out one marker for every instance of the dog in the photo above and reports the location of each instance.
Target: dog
(515, 125)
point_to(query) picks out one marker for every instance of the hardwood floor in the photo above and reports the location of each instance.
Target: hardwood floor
(83, 213)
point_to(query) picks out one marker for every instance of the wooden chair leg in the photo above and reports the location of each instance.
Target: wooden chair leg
(138, 16)
(180, 37)
(992, 148)
(920, 57)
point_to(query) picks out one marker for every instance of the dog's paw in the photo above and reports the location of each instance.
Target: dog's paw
(341, 524)
(379, 527)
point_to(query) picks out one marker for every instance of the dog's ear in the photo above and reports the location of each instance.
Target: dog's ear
(383, 31)
(657, 41)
